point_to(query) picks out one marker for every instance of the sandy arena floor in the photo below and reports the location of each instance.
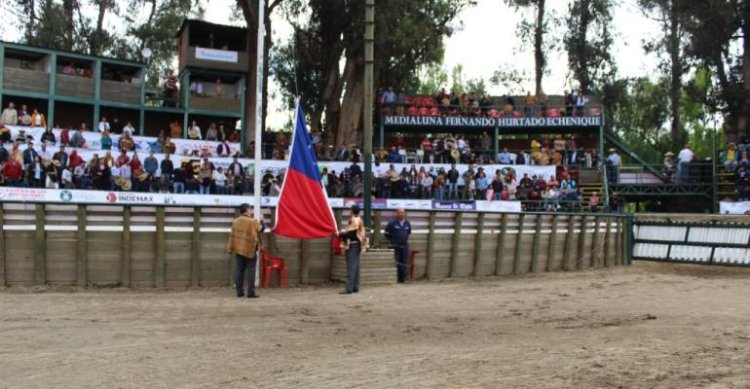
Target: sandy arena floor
(647, 326)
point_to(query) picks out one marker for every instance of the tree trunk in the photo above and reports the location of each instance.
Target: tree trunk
(350, 118)
(676, 73)
(743, 116)
(539, 62)
(96, 37)
(69, 9)
(581, 45)
(249, 10)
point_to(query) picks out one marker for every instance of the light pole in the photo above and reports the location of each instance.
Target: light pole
(368, 106)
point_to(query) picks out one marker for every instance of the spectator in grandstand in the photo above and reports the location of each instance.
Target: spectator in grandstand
(613, 166)
(212, 133)
(729, 158)
(35, 173)
(4, 134)
(594, 202)
(205, 177)
(53, 171)
(77, 140)
(104, 125)
(38, 119)
(389, 97)
(482, 185)
(218, 89)
(48, 136)
(12, 172)
(24, 118)
(69, 69)
(45, 152)
(394, 156)
(504, 158)
(170, 89)
(151, 165)
(126, 143)
(29, 155)
(223, 149)
(61, 157)
(575, 157)
(343, 153)
(175, 130)
(580, 102)
(569, 101)
(169, 146)
(128, 128)
(106, 141)
(529, 102)
(116, 127)
(468, 176)
(196, 88)
(194, 132)
(744, 192)
(452, 182)
(684, 158)
(10, 115)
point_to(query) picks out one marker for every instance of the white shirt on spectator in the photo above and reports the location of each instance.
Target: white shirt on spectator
(114, 171)
(67, 176)
(219, 178)
(685, 156)
(103, 126)
(126, 172)
(129, 129)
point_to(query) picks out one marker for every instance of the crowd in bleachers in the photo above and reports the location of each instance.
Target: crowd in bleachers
(475, 104)
(735, 160)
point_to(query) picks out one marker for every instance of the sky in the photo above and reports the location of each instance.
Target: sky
(483, 42)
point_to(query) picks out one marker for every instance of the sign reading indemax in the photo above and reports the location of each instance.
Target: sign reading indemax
(455, 121)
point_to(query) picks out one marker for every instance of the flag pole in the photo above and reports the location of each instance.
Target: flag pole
(369, 104)
(259, 108)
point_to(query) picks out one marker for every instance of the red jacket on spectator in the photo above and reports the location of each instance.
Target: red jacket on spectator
(424, 111)
(13, 169)
(75, 159)
(65, 136)
(412, 111)
(434, 111)
(122, 159)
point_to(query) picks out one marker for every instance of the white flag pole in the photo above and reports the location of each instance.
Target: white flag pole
(259, 120)
(259, 107)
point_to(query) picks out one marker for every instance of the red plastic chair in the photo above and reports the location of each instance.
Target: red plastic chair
(273, 264)
(413, 264)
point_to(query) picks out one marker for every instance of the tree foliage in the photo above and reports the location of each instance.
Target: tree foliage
(588, 42)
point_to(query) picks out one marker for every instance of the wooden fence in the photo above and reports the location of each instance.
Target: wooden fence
(157, 246)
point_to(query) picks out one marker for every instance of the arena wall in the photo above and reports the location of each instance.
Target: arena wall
(176, 247)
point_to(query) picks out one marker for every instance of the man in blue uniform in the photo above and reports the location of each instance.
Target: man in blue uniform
(397, 232)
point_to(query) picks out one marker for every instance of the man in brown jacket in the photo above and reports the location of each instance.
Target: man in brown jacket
(244, 241)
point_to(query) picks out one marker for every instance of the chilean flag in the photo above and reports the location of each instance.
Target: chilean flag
(303, 211)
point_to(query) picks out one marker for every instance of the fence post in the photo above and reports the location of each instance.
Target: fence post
(618, 242)
(81, 247)
(535, 244)
(127, 247)
(552, 247)
(376, 224)
(478, 245)
(195, 257)
(40, 248)
(304, 261)
(568, 243)
(581, 243)
(629, 221)
(501, 243)
(596, 241)
(3, 276)
(456, 242)
(159, 276)
(519, 241)
(607, 237)
(429, 264)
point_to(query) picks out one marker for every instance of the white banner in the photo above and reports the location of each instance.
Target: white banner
(216, 55)
(143, 144)
(74, 196)
(734, 208)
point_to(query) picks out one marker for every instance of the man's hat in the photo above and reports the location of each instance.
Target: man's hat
(669, 154)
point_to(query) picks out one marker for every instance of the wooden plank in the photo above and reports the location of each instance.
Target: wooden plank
(552, 243)
(535, 244)
(304, 261)
(160, 266)
(195, 257)
(82, 262)
(430, 259)
(595, 258)
(3, 276)
(581, 244)
(607, 237)
(458, 220)
(519, 244)
(501, 244)
(568, 244)
(127, 248)
(40, 250)
(376, 232)
(478, 245)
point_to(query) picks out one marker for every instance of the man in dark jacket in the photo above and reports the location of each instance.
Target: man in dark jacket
(397, 232)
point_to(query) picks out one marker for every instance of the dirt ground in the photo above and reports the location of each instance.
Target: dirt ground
(647, 326)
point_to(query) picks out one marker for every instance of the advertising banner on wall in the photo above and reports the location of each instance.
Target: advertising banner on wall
(75, 196)
(734, 208)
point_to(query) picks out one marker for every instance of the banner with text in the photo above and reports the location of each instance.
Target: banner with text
(487, 122)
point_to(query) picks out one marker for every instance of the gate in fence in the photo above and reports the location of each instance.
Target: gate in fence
(705, 239)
